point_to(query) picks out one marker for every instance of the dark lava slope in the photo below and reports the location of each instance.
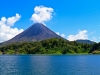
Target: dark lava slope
(36, 32)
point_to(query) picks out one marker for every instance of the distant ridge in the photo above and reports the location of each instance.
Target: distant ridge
(36, 32)
(85, 41)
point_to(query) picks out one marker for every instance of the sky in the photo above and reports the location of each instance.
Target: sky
(71, 19)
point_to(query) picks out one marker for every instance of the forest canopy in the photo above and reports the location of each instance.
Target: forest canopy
(51, 46)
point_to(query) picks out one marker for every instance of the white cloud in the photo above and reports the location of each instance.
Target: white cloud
(3, 19)
(81, 35)
(42, 14)
(92, 33)
(57, 33)
(94, 38)
(12, 20)
(6, 31)
(62, 35)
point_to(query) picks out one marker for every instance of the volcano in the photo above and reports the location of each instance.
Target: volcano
(36, 32)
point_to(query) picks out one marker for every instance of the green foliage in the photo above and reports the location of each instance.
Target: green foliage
(50, 46)
(10, 52)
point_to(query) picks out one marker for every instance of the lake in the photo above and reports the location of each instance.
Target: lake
(50, 65)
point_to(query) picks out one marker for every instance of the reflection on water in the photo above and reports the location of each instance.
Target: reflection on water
(49, 65)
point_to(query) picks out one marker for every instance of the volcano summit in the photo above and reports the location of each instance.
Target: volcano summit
(36, 32)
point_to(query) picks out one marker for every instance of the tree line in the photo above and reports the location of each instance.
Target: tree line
(51, 46)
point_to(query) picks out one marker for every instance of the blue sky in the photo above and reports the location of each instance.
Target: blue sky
(76, 19)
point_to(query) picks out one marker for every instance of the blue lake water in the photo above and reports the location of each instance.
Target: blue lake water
(50, 65)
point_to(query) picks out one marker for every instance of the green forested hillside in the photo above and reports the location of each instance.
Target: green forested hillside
(50, 46)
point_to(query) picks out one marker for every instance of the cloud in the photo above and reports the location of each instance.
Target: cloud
(62, 35)
(92, 33)
(6, 31)
(81, 35)
(94, 38)
(42, 14)
(57, 33)
(12, 20)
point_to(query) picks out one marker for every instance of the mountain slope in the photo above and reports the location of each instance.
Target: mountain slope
(36, 32)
